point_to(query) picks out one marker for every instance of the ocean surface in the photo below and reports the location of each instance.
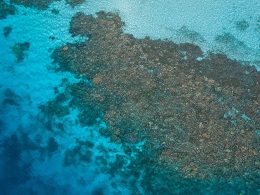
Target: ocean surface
(46, 153)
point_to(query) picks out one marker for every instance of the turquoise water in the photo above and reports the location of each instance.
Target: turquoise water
(33, 145)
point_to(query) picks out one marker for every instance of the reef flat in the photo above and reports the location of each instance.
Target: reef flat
(197, 114)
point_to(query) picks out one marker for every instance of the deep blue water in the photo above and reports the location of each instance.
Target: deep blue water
(32, 146)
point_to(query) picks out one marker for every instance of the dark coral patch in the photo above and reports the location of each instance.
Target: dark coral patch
(80, 154)
(55, 108)
(19, 50)
(11, 98)
(38, 4)
(55, 11)
(15, 166)
(74, 3)
(242, 25)
(6, 9)
(52, 145)
(7, 30)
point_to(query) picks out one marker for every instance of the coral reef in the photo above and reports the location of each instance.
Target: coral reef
(14, 164)
(242, 25)
(19, 50)
(7, 30)
(81, 153)
(74, 3)
(38, 4)
(11, 98)
(52, 145)
(55, 108)
(55, 11)
(197, 114)
(6, 9)
(186, 35)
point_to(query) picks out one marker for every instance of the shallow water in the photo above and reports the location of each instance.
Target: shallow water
(34, 145)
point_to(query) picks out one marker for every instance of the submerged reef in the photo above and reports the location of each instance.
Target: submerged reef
(197, 114)
(74, 3)
(55, 11)
(11, 98)
(19, 50)
(81, 153)
(7, 30)
(38, 4)
(15, 166)
(187, 35)
(242, 25)
(6, 9)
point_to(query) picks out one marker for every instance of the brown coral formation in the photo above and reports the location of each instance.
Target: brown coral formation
(199, 114)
